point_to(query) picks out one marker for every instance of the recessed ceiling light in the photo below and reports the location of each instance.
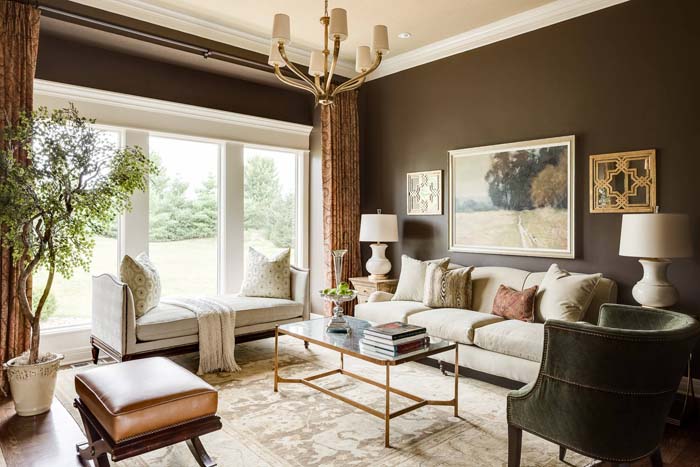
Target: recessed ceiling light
(404, 35)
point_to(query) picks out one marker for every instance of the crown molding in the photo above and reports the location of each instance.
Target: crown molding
(536, 18)
(146, 104)
(210, 29)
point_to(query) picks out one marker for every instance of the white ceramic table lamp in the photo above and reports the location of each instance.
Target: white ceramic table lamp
(378, 228)
(654, 238)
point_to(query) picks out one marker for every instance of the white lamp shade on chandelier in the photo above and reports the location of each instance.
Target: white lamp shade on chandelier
(654, 238)
(322, 63)
(378, 228)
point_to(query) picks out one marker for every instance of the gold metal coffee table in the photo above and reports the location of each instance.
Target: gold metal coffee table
(314, 331)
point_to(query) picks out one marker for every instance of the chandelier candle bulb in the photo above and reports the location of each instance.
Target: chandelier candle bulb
(275, 57)
(363, 59)
(339, 24)
(380, 39)
(280, 29)
(316, 63)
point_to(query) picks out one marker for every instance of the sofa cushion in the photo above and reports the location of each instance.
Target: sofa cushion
(453, 324)
(512, 337)
(447, 288)
(142, 277)
(515, 304)
(563, 295)
(387, 312)
(267, 276)
(167, 321)
(412, 278)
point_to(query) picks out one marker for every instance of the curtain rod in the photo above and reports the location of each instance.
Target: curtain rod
(206, 53)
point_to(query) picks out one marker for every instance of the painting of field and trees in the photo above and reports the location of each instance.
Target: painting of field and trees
(513, 198)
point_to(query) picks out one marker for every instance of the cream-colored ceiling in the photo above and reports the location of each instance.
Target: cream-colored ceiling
(427, 20)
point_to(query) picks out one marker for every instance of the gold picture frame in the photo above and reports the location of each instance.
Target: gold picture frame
(623, 182)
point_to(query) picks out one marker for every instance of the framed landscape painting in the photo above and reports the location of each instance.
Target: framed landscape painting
(513, 199)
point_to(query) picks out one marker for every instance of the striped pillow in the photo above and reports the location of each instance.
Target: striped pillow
(448, 288)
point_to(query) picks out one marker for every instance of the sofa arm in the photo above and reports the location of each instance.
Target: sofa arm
(380, 297)
(109, 311)
(301, 289)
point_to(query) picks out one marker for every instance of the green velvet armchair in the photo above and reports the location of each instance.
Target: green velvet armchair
(605, 391)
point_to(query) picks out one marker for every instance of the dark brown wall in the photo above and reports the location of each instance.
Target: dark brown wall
(623, 78)
(71, 62)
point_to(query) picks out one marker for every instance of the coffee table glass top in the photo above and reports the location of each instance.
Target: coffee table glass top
(315, 330)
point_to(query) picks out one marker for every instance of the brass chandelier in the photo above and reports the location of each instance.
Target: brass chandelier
(335, 28)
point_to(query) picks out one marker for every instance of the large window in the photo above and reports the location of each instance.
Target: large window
(271, 201)
(184, 215)
(70, 301)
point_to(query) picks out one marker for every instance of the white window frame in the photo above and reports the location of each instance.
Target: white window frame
(137, 117)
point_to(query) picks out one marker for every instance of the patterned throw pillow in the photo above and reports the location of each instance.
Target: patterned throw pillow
(447, 288)
(515, 304)
(267, 277)
(141, 276)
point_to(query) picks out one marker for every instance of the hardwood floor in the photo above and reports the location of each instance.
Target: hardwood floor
(49, 440)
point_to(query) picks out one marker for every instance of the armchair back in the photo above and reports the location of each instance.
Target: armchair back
(605, 391)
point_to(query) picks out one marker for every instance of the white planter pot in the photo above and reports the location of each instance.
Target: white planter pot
(32, 386)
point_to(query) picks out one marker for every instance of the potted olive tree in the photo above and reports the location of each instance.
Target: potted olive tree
(74, 183)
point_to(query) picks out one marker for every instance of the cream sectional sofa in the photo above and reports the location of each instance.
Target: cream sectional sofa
(488, 343)
(170, 329)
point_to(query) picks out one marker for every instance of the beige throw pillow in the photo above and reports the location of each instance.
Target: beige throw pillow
(412, 278)
(267, 277)
(565, 296)
(447, 288)
(141, 276)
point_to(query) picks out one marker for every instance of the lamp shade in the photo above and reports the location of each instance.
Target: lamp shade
(363, 59)
(379, 228)
(655, 236)
(339, 24)
(275, 58)
(280, 29)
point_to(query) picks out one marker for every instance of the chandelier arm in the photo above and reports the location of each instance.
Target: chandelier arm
(350, 87)
(336, 53)
(292, 83)
(359, 77)
(295, 70)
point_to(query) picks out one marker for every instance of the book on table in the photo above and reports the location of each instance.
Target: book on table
(394, 331)
(375, 352)
(394, 350)
(393, 339)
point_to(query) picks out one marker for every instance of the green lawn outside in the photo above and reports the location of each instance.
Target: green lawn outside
(185, 267)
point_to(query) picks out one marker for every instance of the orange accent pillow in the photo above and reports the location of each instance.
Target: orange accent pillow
(515, 304)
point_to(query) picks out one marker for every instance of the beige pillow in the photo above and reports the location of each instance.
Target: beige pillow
(447, 288)
(563, 295)
(141, 276)
(267, 277)
(412, 278)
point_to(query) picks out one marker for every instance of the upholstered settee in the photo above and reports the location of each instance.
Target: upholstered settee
(510, 349)
(170, 329)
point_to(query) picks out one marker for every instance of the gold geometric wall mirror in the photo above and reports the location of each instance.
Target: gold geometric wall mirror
(623, 182)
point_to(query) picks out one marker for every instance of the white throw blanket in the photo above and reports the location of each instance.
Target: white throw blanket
(216, 318)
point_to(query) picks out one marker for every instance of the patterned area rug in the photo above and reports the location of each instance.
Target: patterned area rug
(299, 426)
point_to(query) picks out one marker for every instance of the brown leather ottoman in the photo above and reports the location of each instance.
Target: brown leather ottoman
(138, 406)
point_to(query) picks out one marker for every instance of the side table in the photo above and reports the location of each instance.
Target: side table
(365, 287)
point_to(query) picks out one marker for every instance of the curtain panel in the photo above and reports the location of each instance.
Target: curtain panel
(19, 44)
(340, 135)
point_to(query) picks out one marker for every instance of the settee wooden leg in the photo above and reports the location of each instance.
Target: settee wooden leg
(200, 454)
(562, 453)
(515, 442)
(95, 353)
(306, 344)
(656, 459)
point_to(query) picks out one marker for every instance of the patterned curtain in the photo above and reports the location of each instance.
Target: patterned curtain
(19, 43)
(341, 186)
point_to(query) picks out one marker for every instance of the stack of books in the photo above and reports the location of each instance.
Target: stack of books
(395, 339)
